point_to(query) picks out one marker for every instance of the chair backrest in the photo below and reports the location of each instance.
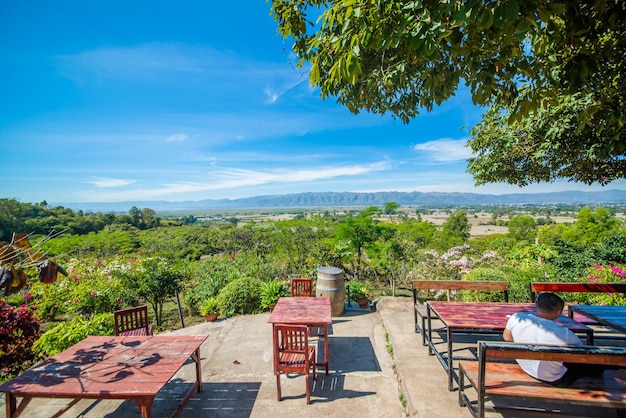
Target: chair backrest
(291, 348)
(132, 321)
(482, 285)
(573, 287)
(301, 287)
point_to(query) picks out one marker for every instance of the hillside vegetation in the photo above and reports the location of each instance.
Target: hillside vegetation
(241, 261)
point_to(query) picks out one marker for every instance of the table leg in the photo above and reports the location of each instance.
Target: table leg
(196, 357)
(326, 348)
(450, 370)
(430, 339)
(145, 406)
(11, 404)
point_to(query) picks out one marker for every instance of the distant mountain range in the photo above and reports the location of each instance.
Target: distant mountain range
(351, 199)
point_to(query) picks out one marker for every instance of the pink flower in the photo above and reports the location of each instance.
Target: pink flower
(95, 294)
(597, 267)
(617, 270)
(593, 278)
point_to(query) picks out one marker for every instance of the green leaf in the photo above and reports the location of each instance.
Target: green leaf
(485, 18)
(522, 27)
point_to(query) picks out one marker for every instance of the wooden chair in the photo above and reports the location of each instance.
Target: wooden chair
(293, 354)
(132, 321)
(301, 287)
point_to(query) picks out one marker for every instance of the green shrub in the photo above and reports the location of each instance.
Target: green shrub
(519, 279)
(62, 336)
(271, 291)
(483, 273)
(208, 278)
(240, 297)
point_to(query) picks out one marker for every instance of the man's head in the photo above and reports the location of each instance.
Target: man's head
(549, 305)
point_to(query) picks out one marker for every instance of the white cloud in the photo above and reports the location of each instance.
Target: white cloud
(445, 149)
(229, 179)
(108, 182)
(177, 138)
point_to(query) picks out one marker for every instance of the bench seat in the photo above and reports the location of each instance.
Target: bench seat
(509, 380)
(504, 379)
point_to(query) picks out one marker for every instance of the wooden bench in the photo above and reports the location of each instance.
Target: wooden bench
(497, 377)
(132, 322)
(572, 287)
(420, 309)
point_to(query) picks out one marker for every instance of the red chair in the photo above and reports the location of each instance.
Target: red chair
(293, 354)
(301, 288)
(132, 321)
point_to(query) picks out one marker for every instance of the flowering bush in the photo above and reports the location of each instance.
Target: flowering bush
(606, 274)
(454, 264)
(18, 331)
(92, 286)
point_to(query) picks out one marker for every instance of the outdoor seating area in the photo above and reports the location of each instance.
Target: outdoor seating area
(250, 363)
(496, 377)
(466, 339)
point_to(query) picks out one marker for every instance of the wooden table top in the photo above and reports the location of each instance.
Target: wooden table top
(305, 311)
(489, 315)
(107, 367)
(611, 316)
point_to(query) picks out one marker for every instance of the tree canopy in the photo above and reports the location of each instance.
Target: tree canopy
(551, 74)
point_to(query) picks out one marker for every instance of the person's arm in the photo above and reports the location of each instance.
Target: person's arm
(507, 335)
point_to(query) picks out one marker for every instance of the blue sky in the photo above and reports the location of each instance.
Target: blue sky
(139, 100)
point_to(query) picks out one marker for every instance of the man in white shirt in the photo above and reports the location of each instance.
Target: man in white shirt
(541, 328)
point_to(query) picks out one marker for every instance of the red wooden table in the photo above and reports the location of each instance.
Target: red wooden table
(134, 368)
(481, 318)
(312, 312)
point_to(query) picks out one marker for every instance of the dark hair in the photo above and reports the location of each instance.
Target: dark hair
(550, 302)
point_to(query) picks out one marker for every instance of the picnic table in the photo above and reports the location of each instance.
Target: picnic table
(312, 312)
(480, 318)
(610, 316)
(108, 367)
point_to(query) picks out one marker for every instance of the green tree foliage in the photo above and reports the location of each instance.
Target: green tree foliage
(455, 231)
(551, 143)
(553, 74)
(391, 208)
(40, 219)
(360, 231)
(591, 225)
(419, 232)
(522, 228)
(155, 280)
(297, 238)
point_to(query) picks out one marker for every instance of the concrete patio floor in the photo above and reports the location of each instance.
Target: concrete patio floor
(378, 368)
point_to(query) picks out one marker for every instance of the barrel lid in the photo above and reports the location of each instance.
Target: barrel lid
(329, 270)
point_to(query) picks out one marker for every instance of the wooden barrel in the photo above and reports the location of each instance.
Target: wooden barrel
(330, 284)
